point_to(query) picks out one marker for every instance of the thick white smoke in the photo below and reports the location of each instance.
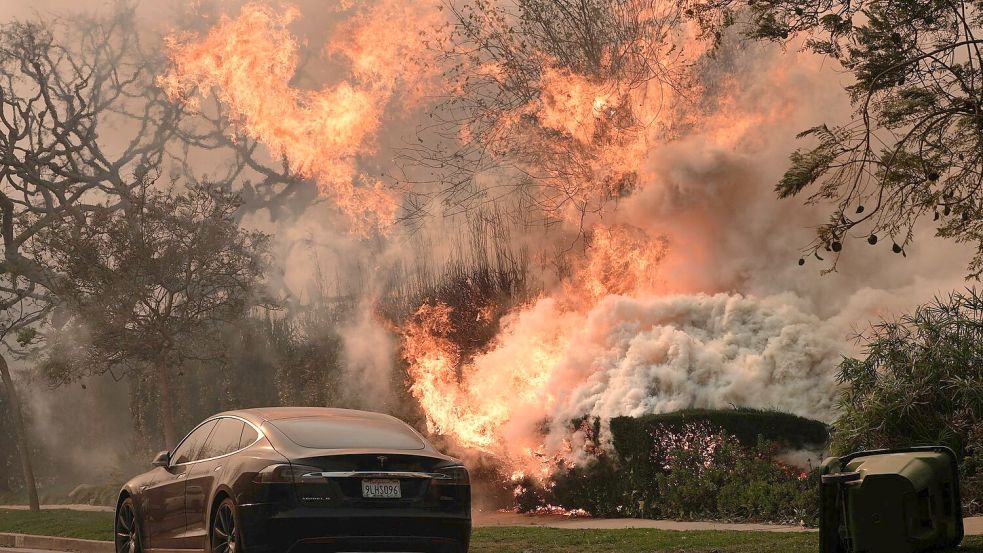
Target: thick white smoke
(631, 356)
(659, 354)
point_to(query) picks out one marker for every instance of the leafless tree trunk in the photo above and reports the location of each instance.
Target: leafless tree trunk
(21, 433)
(166, 405)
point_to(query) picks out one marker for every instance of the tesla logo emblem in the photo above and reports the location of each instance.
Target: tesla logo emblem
(382, 460)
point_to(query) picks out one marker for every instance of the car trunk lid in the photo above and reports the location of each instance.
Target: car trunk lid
(392, 476)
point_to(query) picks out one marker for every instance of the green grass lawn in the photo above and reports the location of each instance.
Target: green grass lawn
(98, 526)
(58, 522)
(547, 540)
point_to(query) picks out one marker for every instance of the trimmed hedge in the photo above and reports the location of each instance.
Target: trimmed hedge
(693, 464)
(633, 438)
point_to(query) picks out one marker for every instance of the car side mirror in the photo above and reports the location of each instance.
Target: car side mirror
(162, 459)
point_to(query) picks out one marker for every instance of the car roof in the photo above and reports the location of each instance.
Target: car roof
(260, 415)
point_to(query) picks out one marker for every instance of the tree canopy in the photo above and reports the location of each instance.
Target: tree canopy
(150, 283)
(914, 146)
(524, 76)
(918, 379)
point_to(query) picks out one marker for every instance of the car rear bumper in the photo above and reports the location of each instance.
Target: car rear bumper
(266, 529)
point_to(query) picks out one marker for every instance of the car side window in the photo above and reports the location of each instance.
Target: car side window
(223, 440)
(249, 436)
(192, 444)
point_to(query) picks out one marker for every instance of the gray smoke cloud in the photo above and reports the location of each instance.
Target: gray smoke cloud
(745, 325)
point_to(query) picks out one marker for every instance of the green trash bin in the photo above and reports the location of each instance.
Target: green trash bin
(890, 501)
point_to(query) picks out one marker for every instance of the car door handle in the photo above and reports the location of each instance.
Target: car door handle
(218, 468)
(182, 475)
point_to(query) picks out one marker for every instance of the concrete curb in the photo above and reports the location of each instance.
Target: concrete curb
(26, 541)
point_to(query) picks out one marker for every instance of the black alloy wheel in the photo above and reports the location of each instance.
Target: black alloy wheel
(225, 530)
(127, 536)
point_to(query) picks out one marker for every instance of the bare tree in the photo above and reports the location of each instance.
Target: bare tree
(83, 129)
(506, 62)
(57, 95)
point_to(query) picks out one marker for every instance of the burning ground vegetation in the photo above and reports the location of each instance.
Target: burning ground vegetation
(543, 232)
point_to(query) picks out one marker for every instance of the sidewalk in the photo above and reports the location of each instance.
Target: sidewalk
(495, 518)
(973, 525)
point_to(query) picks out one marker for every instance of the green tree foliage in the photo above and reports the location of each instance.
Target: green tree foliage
(920, 382)
(914, 146)
(149, 284)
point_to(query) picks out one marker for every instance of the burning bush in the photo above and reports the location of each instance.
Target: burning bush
(693, 464)
(598, 488)
(636, 437)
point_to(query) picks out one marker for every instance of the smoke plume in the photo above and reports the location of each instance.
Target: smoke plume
(684, 292)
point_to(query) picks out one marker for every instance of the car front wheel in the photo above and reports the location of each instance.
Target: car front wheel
(225, 537)
(127, 533)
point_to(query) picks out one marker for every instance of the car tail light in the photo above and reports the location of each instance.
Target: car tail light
(453, 475)
(283, 474)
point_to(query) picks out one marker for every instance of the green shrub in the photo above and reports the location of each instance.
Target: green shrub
(633, 437)
(598, 488)
(695, 472)
(722, 478)
(920, 383)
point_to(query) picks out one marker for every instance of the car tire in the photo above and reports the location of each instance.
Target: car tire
(224, 535)
(127, 528)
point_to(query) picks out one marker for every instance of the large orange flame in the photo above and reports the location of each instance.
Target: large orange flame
(502, 401)
(494, 403)
(249, 62)
(590, 140)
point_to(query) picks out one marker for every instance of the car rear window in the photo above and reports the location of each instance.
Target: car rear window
(248, 436)
(348, 433)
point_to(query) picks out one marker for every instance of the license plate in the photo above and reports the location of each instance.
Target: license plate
(381, 489)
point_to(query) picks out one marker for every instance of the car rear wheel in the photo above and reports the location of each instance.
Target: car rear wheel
(127, 534)
(225, 537)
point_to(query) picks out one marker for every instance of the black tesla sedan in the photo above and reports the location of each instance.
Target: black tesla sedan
(291, 479)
